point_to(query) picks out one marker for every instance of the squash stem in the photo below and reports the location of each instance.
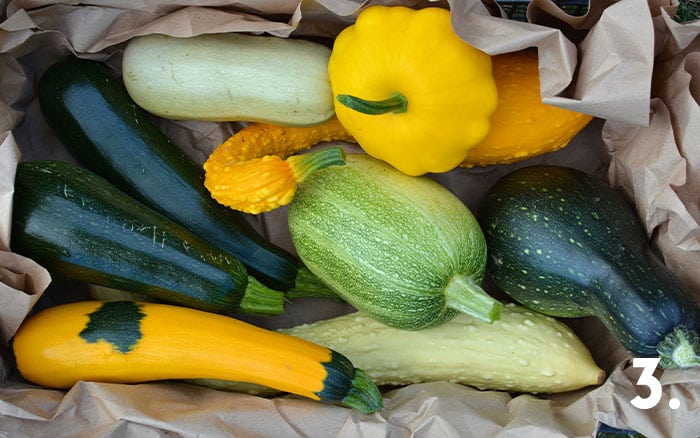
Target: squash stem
(680, 349)
(303, 165)
(308, 285)
(349, 386)
(395, 103)
(465, 295)
(363, 394)
(261, 300)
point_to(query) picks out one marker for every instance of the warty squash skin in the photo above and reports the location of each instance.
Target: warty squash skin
(522, 126)
(568, 245)
(132, 342)
(524, 351)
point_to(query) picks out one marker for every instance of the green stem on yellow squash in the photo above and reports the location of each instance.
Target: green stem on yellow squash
(395, 103)
(304, 164)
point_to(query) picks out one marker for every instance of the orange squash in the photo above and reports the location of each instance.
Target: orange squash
(523, 126)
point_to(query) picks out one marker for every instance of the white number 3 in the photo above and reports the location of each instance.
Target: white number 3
(648, 365)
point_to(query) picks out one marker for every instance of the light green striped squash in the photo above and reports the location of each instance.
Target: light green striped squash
(403, 249)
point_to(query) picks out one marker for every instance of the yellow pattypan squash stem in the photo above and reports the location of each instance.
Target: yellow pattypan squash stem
(396, 103)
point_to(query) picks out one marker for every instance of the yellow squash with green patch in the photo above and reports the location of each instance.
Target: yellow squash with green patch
(130, 342)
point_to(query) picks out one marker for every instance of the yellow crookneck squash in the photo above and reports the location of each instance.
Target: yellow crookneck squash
(256, 169)
(410, 90)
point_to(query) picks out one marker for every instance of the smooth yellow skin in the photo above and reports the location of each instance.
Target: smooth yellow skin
(177, 343)
(448, 83)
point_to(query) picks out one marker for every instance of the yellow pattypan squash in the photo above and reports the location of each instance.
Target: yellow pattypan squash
(410, 90)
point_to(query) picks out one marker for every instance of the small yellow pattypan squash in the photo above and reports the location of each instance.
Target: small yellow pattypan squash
(410, 90)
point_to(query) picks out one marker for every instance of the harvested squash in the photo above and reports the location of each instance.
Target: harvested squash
(230, 77)
(259, 139)
(82, 228)
(130, 342)
(255, 170)
(401, 248)
(263, 184)
(523, 126)
(410, 90)
(523, 351)
(566, 244)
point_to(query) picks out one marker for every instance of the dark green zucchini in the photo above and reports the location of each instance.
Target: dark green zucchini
(80, 227)
(91, 113)
(568, 245)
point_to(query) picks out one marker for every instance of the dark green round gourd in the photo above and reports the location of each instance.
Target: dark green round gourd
(568, 245)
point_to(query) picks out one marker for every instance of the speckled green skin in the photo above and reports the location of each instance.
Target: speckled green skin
(567, 245)
(387, 243)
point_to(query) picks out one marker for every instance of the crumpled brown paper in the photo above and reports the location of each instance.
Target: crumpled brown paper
(659, 164)
(626, 63)
(22, 281)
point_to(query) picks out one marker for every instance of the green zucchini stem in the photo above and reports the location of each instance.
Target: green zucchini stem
(304, 165)
(679, 349)
(349, 386)
(261, 300)
(363, 394)
(465, 295)
(308, 285)
(395, 103)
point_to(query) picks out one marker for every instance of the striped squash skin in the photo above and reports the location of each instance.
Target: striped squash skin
(387, 243)
(567, 245)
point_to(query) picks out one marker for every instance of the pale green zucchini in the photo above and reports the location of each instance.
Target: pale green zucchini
(230, 77)
(523, 351)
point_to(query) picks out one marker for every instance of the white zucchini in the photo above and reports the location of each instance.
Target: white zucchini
(230, 77)
(523, 351)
